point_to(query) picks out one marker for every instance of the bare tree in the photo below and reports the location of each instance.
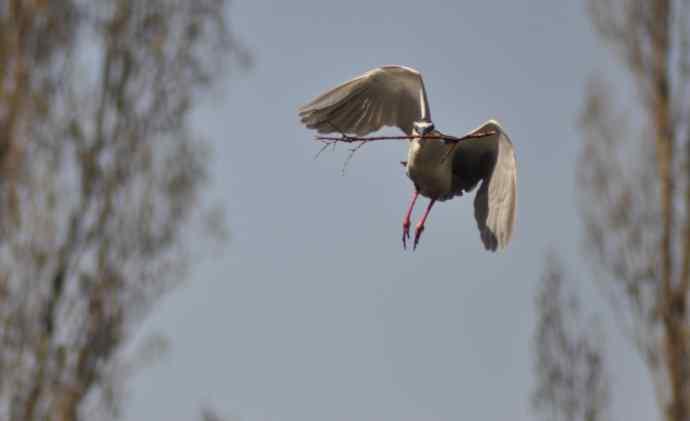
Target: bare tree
(634, 186)
(99, 182)
(572, 382)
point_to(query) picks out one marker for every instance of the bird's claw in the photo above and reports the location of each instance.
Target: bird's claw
(406, 233)
(417, 236)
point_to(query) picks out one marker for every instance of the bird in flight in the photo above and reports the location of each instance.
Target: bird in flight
(439, 169)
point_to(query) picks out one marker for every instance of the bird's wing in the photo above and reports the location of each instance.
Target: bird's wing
(492, 160)
(385, 96)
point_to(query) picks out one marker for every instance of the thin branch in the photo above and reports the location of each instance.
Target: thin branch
(450, 139)
(333, 140)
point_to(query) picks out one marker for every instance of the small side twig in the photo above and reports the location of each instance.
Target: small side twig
(350, 155)
(323, 148)
(327, 144)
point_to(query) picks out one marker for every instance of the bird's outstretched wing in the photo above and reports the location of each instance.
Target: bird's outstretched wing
(490, 159)
(385, 96)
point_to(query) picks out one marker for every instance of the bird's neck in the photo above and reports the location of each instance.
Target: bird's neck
(426, 149)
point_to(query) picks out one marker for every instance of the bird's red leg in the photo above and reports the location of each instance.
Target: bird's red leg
(420, 225)
(406, 220)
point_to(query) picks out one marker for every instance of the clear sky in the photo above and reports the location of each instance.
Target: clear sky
(313, 312)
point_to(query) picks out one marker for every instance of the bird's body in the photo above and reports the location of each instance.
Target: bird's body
(429, 167)
(439, 169)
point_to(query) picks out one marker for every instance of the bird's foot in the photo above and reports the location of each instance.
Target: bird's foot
(406, 232)
(417, 235)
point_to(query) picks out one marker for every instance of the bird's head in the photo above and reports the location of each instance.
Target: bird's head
(423, 127)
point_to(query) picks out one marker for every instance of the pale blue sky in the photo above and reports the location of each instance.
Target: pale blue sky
(313, 312)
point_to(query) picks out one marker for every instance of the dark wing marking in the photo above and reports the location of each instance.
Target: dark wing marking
(491, 160)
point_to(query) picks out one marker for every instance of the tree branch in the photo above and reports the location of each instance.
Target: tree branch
(333, 140)
(450, 139)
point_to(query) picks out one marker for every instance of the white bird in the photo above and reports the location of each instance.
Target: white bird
(395, 96)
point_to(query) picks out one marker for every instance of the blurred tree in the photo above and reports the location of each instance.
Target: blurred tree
(208, 414)
(572, 381)
(100, 178)
(634, 185)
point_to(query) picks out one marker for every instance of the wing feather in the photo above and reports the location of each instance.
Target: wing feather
(386, 96)
(492, 160)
